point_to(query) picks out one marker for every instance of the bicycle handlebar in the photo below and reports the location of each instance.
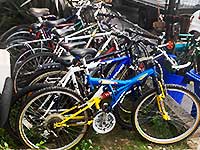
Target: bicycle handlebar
(142, 32)
(178, 67)
(174, 64)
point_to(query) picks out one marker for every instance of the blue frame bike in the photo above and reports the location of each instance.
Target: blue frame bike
(60, 117)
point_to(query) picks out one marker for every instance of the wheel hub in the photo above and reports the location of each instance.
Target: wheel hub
(51, 120)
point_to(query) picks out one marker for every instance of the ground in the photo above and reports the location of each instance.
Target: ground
(120, 139)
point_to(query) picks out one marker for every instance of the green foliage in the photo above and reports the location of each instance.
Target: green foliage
(87, 145)
(6, 140)
(40, 145)
(4, 146)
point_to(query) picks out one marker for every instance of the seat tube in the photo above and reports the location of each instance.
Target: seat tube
(40, 19)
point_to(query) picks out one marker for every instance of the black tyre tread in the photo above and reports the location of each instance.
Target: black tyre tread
(34, 56)
(14, 39)
(17, 101)
(117, 109)
(41, 75)
(12, 30)
(32, 88)
(26, 54)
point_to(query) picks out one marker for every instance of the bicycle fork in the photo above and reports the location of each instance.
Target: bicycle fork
(160, 101)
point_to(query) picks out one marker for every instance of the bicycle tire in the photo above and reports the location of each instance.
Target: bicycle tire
(9, 33)
(184, 116)
(123, 109)
(30, 67)
(32, 140)
(15, 46)
(54, 75)
(51, 73)
(17, 101)
(25, 54)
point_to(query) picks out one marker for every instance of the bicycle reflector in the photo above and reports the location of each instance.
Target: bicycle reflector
(170, 45)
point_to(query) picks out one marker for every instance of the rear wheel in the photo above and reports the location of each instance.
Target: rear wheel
(181, 105)
(25, 72)
(123, 109)
(43, 110)
(18, 100)
(25, 54)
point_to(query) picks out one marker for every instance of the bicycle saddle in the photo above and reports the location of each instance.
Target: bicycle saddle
(83, 52)
(66, 60)
(39, 12)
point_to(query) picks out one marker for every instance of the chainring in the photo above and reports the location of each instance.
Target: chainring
(104, 122)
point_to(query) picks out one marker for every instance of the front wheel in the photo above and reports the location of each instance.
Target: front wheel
(181, 105)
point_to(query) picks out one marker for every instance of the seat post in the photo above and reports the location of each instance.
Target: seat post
(40, 19)
(85, 66)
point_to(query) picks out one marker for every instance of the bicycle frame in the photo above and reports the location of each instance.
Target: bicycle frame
(116, 93)
(125, 60)
(122, 86)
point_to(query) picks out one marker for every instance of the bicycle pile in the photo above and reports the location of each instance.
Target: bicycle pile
(88, 69)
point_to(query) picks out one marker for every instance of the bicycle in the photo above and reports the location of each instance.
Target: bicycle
(60, 116)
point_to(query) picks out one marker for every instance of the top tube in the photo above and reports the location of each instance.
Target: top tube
(100, 81)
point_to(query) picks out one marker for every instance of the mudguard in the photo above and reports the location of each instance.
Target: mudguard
(5, 101)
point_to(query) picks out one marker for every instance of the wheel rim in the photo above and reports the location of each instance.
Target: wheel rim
(155, 129)
(24, 73)
(34, 139)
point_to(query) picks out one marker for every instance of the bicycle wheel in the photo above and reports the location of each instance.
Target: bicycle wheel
(38, 115)
(181, 105)
(16, 45)
(17, 102)
(20, 30)
(25, 72)
(52, 77)
(123, 109)
(25, 54)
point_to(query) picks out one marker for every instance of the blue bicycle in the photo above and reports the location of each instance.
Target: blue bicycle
(57, 117)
